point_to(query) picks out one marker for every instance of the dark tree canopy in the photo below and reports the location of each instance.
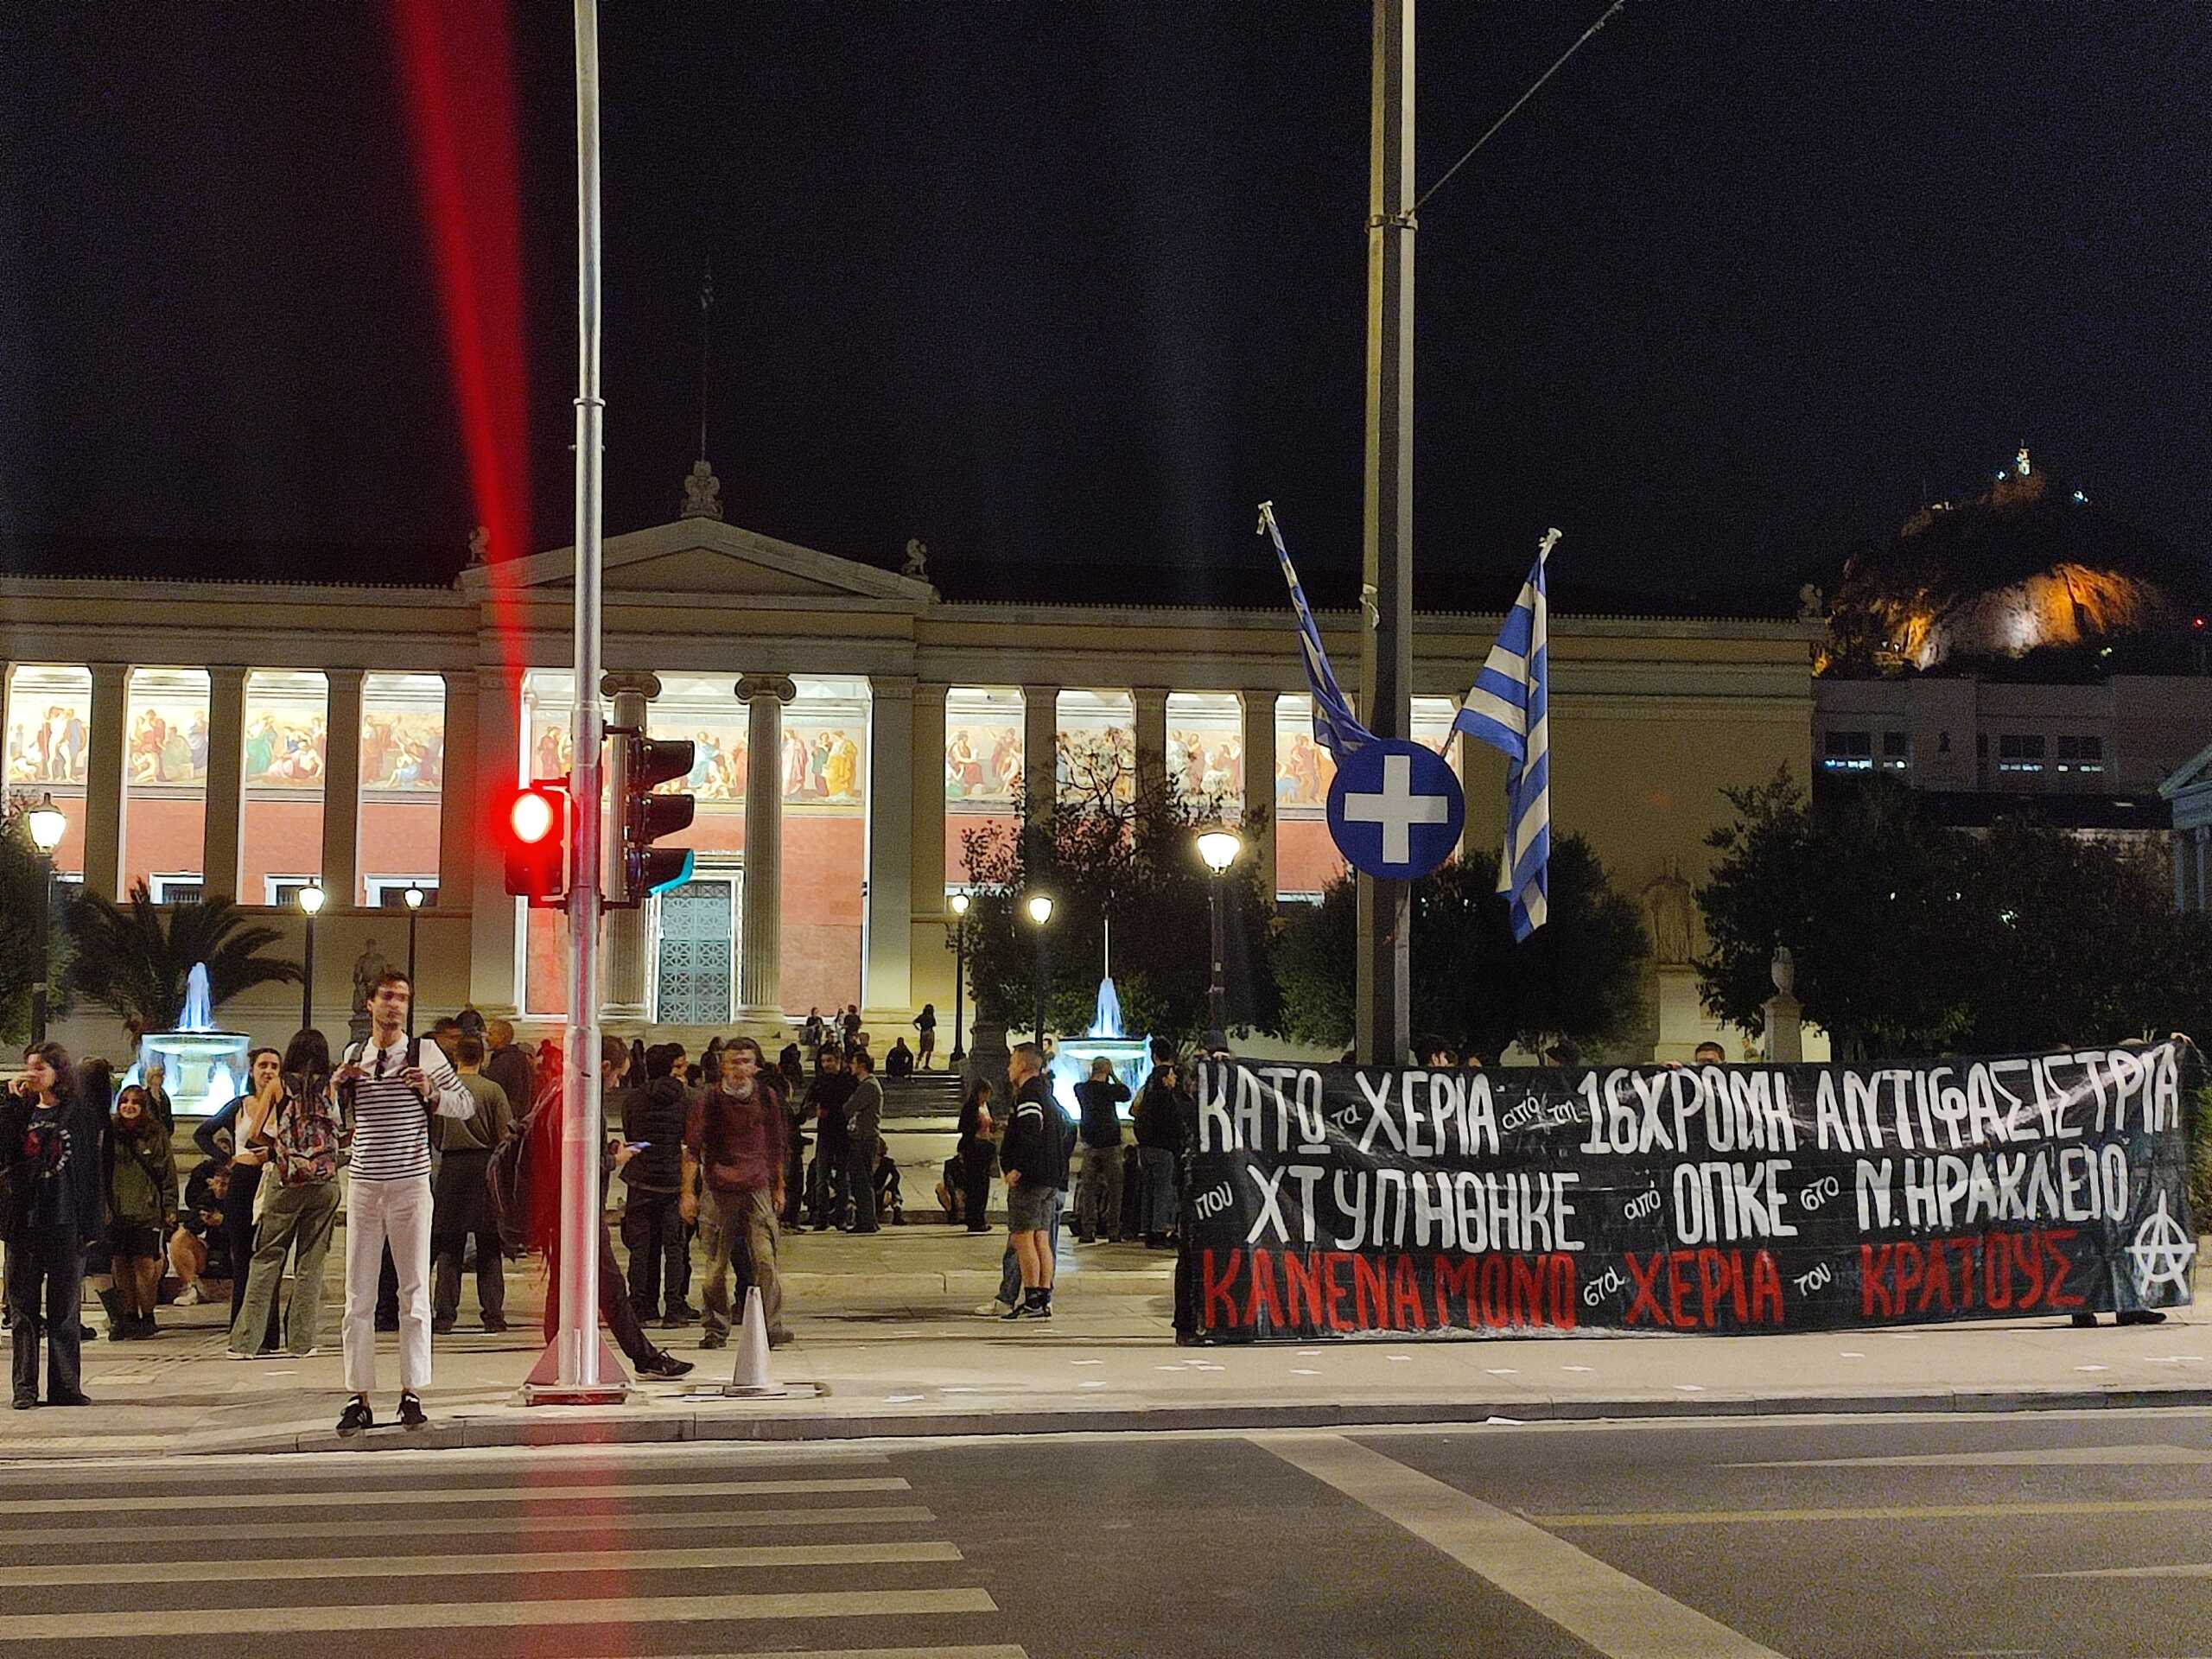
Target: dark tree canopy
(1912, 939)
(1135, 864)
(1577, 978)
(22, 873)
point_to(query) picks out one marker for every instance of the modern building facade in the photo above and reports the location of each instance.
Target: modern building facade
(852, 725)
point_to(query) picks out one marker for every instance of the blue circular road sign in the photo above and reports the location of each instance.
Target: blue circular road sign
(1395, 811)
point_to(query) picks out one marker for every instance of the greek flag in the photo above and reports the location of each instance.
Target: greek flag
(1505, 710)
(1336, 728)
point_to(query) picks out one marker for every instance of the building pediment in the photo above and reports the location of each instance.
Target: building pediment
(707, 562)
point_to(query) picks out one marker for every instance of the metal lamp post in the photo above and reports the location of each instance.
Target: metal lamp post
(1039, 907)
(414, 897)
(47, 825)
(1219, 848)
(958, 904)
(311, 905)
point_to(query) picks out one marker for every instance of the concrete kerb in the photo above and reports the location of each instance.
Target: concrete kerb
(705, 1423)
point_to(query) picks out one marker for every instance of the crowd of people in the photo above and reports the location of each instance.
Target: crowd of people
(448, 1144)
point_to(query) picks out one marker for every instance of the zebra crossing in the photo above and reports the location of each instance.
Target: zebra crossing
(828, 1555)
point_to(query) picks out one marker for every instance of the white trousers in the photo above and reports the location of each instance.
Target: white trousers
(398, 1213)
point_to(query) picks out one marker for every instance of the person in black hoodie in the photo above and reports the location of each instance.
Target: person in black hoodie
(50, 1156)
(1158, 1125)
(831, 1183)
(652, 1226)
(1035, 1158)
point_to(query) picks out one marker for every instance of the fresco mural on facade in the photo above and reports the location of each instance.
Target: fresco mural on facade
(1205, 749)
(1094, 746)
(982, 748)
(404, 732)
(48, 730)
(167, 727)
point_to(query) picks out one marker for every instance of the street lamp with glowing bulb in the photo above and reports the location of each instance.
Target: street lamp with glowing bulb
(311, 902)
(47, 824)
(958, 906)
(1038, 908)
(413, 898)
(1219, 849)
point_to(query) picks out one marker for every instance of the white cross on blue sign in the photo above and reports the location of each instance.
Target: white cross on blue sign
(1395, 811)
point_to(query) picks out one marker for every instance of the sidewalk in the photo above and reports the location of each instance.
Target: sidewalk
(888, 1345)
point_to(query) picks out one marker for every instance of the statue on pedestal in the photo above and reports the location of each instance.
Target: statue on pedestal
(368, 967)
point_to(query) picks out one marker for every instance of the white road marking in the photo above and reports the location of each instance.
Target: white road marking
(1621, 1616)
(523, 1526)
(752, 1556)
(2181, 1570)
(493, 1615)
(2054, 1456)
(197, 1502)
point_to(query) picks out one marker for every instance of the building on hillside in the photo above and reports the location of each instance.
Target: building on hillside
(248, 738)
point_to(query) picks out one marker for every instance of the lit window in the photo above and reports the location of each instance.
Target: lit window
(2020, 751)
(1896, 751)
(2081, 755)
(1847, 752)
(175, 888)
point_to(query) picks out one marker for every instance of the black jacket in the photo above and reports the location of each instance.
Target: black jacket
(1102, 1124)
(1158, 1115)
(1037, 1138)
(656, 1112)
(85, 1127)
(829, 1094)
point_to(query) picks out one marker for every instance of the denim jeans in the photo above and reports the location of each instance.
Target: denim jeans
(1156, 1209)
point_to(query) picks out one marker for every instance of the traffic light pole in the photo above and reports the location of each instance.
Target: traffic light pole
(580, 1372)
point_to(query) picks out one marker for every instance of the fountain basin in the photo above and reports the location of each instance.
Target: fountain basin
(202, 1071)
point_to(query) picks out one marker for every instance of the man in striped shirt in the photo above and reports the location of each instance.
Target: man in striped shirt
(393, 1086)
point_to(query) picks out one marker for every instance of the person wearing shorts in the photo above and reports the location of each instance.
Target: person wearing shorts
(1035, 1160)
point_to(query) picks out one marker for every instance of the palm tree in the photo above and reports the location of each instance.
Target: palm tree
(134, 963)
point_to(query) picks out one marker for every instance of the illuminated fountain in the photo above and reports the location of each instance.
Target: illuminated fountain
(1130, 1056)
(202, 1067)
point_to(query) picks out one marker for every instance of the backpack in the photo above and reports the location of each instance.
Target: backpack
(511, 1176)
(306, 1136)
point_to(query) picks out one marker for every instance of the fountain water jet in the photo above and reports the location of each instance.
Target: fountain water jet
(202, 1068)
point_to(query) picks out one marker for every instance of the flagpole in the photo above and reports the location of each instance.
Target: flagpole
(1383, 992)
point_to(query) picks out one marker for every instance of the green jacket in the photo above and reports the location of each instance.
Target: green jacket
(141, 1177)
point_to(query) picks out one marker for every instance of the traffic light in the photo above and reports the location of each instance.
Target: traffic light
(642, 817)
(538, 843)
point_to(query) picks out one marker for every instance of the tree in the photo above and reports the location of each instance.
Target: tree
(1576, 979)
(1133, 863)
(1910, 937)
(2078, 942)
(23, 875)
(134, 962)
(1868, 895)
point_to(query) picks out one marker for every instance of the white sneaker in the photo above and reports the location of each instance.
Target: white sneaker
(993, 1309)
(188, 1297)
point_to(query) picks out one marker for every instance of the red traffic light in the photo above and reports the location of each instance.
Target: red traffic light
(531, 817)
(538, 843)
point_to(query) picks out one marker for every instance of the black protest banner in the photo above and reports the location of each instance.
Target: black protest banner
(1331, 1201)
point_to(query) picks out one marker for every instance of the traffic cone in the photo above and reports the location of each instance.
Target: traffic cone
(749, 1377)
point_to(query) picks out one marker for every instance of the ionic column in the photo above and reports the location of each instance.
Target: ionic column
(1151, 705)
(493, 985)
(341, 791)
(1260, 782)
(760, 956)
(929, 963)
(219, 833)
(625, 937)
(104, 780)
(887, 975)
(458, 810)
(1040, 722)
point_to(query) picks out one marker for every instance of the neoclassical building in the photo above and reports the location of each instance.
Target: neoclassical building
(851, 724)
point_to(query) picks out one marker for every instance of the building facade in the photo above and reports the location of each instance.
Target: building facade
(852, 726)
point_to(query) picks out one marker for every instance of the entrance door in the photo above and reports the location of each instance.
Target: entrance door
(695, 955)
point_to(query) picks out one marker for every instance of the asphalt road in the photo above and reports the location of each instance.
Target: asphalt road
(1976, 1535)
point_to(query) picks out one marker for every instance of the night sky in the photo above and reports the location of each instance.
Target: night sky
(1066, 285)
